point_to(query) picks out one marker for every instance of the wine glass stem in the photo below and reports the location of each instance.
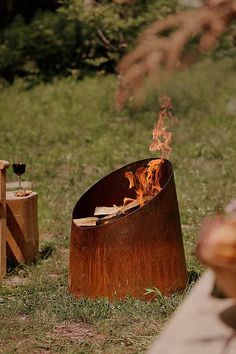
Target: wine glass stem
(19, 182)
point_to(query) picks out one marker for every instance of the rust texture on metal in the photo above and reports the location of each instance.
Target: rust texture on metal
(139, 250)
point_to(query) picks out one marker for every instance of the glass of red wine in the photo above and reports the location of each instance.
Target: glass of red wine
(19, 168)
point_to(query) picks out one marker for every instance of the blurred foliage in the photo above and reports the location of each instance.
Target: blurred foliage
(26, 8)
(49, 45)
(227, 44)
(81, 36)
(110, 29)
(73, 39)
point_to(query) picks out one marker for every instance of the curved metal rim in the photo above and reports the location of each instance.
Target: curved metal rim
(131, 212)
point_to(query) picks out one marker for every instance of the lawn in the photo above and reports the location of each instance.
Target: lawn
(70, 136)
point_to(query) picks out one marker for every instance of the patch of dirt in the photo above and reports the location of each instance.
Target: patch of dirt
(15, 281)
(88, 170)
(64, 252)
(23, 318)
(46, 236)
(54, 275)
(144, 328)
(76, 331)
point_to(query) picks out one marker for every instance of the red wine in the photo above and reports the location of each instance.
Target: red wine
(19, 168)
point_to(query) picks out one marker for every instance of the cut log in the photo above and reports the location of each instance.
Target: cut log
(110, 212)
(103, 210)
(22, 227)
(90, 221)
(103, 214)
(131, 205)
(119, 211)
(106, 219)
(114, 210)
(110, 216)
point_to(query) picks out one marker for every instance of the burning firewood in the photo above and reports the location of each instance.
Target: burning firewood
(103, 210)
(110, 212)
(146, 180)
(103, 214)
(90, 221)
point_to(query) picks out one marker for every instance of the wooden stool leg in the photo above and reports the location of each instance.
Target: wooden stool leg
(3, 226)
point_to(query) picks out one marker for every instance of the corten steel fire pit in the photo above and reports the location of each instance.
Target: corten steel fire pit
(132, 252)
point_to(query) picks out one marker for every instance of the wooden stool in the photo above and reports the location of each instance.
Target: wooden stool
(22, 227)
(3, 228)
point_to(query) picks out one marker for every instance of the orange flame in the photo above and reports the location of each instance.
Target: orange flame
(161, 137)
(146, 180)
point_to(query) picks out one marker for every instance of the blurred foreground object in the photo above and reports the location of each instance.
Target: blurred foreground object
(167, 44)
(202, 324)
(217, 248)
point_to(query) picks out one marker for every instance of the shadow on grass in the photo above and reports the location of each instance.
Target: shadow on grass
(45, 252)
(193, 277)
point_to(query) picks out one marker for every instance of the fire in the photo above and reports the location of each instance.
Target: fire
(161, 137)
(146, 180)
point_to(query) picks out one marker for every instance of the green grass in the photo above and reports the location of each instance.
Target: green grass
(70, 137)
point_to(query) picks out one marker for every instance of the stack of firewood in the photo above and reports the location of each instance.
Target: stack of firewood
(103, 214)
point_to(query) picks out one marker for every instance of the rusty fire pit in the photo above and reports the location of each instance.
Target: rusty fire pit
(133, 252)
